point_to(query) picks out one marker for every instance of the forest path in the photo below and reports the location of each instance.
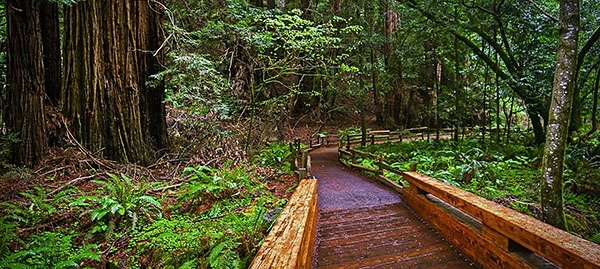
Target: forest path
(364, 224)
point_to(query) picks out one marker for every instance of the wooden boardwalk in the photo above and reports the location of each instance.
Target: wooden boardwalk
(387, 236)
(383, 234)
(345, 220)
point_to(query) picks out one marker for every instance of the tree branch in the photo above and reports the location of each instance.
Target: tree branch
(587, 46)
(543, 11)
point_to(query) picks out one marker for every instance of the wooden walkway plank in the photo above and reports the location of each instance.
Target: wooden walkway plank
(396, 238)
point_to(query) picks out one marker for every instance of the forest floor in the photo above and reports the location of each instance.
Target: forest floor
(30, 197)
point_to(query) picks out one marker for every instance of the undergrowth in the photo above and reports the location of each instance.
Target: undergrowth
(507, 174)
(213, 218)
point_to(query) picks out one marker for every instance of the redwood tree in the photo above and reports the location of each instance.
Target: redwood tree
(559, 115)
(106, 65)
(50, 29)
(25, 99)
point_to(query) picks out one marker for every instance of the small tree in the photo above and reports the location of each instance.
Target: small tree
(559, 115)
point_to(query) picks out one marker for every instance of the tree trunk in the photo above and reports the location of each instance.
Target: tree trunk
(559, 115)
(538, 127)
(105, 65)
(25, 99)
(152, 104)
(51, 50)
(257, 3)
(595, 104)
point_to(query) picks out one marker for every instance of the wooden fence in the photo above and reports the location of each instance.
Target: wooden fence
(491, 235)
(384, 136)
(425, 133)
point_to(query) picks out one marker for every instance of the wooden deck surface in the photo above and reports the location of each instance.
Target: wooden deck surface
(386, 236)
(364, 224)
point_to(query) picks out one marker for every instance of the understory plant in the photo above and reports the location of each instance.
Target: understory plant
(51, 250)
(234, 213)
(119, 204)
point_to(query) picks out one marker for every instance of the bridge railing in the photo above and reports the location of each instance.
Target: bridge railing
(291, 241)
(490, 234)
(348, 141)
(301, 159)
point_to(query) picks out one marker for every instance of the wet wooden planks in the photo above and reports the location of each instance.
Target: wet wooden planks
(384, 236)
(290, 243)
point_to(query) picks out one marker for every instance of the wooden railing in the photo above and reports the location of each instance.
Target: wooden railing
(491, 235)
(302, 162)
(291, 241)
(348, 141)
(384, 136)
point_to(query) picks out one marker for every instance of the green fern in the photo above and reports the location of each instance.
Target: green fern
(123, 200)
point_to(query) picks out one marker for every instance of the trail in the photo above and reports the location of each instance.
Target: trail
(364, 224)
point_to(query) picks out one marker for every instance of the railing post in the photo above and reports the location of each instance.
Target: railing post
(293, 151)
(413, 167)
(372, 139)
(379, 164)
(348, 142)
(297, 145)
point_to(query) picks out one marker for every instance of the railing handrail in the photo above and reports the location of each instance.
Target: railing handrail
(291, 241)
(508, 226)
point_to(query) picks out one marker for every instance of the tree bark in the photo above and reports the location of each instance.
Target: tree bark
(152, 104)
(106, 65)
(25, 99)
(559, 115)
(51, 50)
(595, 104)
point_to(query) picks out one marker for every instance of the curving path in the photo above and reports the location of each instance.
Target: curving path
(364, 224)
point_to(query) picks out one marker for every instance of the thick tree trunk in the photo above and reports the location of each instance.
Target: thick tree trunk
(105, 70)
(25, 99)
(151, 37)
(51, 49)
(559, 115)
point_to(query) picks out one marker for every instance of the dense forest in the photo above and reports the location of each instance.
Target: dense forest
(155, 133)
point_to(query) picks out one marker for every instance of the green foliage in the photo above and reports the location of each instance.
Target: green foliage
(225, 234)
(35, 209)
(8, 236)
(275, 155)
(6, 143)
(212, 184)
(193, 84)
(50, 250)
(121, 200)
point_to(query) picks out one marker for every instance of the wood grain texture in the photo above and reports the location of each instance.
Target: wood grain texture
(384, 236)
(559, 247)
(290, 243)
